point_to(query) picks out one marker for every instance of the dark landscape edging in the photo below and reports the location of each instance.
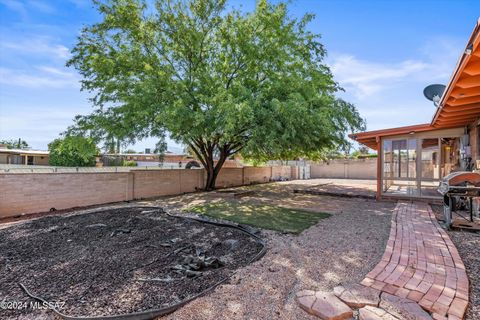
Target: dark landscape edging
(334, 194)
(150, 314)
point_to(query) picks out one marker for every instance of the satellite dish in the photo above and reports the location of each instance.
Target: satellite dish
(434, 93)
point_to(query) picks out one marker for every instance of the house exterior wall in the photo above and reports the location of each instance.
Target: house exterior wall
(474, 131)
(24, 193)
(41, 161)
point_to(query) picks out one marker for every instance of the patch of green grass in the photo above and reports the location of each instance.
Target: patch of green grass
(261, 216)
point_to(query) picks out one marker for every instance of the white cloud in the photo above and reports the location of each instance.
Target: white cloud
(40, 6)
(48, 77)
(364, 78)
(38, 46)
(15, 6)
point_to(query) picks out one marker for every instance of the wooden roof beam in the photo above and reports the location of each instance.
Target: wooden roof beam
(472, 68)
(463, 101)
(459, 113)
(457, 118)
(469, 82)
(472, 106)
(453, 123)
(458, 93)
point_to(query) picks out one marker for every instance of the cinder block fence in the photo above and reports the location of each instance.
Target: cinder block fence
(24, 193)
(345, 169)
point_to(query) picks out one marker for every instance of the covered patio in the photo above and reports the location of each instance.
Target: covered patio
(413, 159)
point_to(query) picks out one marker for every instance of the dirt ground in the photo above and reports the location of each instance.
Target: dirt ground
(116, 261)
(339, 249)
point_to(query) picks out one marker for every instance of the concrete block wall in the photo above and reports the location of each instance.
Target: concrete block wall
(38, 192)
(257, 175)
(345, 169)
(155, 183)
(24, 193)
(281, 173)
(229, 177)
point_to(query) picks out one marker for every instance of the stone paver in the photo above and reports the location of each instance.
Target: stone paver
(374, 313)
(421, 264)
(357, 295)
(324, 305)
(403, 308)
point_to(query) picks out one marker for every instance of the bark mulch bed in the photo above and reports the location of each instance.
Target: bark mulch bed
(468, 245)
(116, 261)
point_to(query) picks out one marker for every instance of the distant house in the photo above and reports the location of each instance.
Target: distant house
(23, 156)
(170, 160)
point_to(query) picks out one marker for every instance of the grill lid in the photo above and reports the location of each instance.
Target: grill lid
(459, 181)
(462, 178)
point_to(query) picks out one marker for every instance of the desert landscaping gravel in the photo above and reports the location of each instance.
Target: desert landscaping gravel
(468, 245)
(340, 249)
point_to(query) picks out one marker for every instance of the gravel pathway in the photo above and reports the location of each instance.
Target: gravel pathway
(339, 249)
(468, 245)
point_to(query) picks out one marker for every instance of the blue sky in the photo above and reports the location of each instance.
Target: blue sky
(383, 52)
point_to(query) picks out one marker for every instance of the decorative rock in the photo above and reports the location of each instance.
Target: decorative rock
(231, 244)
(305, 299)
(357, 295)
(324, 305)
(373, 313)
(403, 308)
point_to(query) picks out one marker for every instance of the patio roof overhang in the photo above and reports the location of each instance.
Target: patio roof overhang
(371, 138)
(459, 105)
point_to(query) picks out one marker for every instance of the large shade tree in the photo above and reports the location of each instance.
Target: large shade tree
(219, 81)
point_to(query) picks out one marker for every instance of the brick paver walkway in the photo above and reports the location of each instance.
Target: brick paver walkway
(422, 264)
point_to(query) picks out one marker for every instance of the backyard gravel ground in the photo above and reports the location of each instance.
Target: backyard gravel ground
(468, 245)
(338, 250)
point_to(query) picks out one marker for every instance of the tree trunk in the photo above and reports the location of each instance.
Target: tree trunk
(211, 174)
(211, 179)
(205, 153)
(214, 170)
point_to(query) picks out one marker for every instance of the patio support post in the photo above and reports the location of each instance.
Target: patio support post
(379, 167)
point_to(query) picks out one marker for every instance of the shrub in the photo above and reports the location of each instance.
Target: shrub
(72, 151)
(129, 163)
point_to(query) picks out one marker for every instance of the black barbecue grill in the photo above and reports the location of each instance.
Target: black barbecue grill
(458, 190)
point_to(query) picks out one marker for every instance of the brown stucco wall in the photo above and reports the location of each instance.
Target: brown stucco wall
(24, 193)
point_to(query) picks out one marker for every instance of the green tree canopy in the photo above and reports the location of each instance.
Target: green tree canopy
(219, 81)
(15, 143)
(72, 151)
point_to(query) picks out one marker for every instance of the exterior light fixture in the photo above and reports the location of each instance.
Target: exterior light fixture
(469, 49)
